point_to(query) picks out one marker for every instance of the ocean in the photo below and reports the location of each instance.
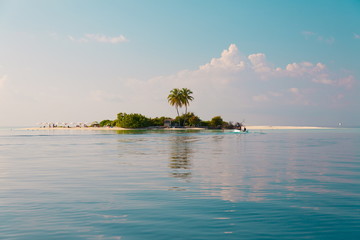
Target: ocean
(269, 184)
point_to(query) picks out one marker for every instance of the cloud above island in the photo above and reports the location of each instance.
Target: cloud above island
(233, 84)
(99, 38)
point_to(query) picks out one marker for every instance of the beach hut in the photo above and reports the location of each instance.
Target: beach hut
(168, 122)
(95, 124)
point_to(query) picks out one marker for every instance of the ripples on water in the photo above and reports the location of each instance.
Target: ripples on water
(285, 184)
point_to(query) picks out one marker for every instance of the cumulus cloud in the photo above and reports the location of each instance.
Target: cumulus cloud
(232, 82)
(258, 63)
(99, 38)
(303, 68)
(231, 68)
(229, 60)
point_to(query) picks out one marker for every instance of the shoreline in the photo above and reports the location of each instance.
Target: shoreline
(262, 127)
(285, 127)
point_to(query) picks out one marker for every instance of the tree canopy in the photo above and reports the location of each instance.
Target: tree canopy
(179, 98)
(133, 120)
(186, 97)
(216, 122)
(175, 99)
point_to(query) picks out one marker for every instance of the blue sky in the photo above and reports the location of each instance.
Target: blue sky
(265, 62)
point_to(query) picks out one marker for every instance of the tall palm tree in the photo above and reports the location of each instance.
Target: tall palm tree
(175, 99)
(186, 97)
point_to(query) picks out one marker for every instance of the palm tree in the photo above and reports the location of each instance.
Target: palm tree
(186, 97)
(175, 99)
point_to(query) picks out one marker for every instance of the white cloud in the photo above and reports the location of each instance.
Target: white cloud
(345, 82)
(99, 38)
(229, 60)
(105, 39)
(302, 69)
(258, 63)
(356, 36)
(315, 36)
(231, 84)
(79, 40)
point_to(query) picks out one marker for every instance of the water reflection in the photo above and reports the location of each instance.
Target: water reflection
(181, 151)
(227, 171)
(233, 167)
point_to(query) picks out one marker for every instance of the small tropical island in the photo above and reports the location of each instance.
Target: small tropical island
(178, 98)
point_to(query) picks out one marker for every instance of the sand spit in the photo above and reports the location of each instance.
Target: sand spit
(172, 129)
(283, 127)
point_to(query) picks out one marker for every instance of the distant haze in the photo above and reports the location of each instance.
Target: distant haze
(262, 62)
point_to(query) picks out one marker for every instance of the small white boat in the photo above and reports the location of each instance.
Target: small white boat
(240, 131)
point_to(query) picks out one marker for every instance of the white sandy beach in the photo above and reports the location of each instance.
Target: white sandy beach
(263, 127)
(283, 127)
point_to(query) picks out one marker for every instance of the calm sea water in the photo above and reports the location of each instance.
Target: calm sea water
(275, 184)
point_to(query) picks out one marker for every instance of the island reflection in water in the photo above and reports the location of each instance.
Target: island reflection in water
(206, 185)
(215, 166)
(236, 167)
(181, 150)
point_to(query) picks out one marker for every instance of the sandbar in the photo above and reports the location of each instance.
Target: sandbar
(283, 127)
(263, 127)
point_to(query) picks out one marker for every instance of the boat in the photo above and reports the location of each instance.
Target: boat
(240, 131)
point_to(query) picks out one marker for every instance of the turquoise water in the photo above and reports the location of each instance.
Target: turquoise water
(275, 184)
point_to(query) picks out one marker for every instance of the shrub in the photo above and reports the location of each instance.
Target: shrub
(204, 123)
(216, 122)
(189, 119)
(105, 123)
(194, 121)
(133, 120)
(158, 121)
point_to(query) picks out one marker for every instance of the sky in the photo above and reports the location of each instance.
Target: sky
(254, 61)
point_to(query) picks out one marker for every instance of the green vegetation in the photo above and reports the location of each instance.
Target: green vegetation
(174, 99)
(136, 120)
(133, 120)
(158, 121)
(216, 122)
(194, 121)
(189, 119)
(178, 98)
(186, 97)
(106, 123)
